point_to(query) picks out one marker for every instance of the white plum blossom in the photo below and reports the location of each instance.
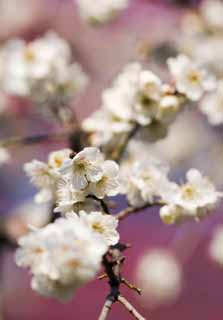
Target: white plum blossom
(84, 168)
(100, 11)
(41, 70)
(57, 158)
(108, 184)
(45, 176)
(136, 98)
(212, 105)
(189, 77)
(4, 156)
(192, 200)
(68, 198)
(142, 181)
(103, 224)
(160, 276)
(42, 177)
(216, 246)
(61, 257)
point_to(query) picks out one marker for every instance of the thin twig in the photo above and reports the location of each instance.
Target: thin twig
(132, 210)
(131, 286)
(118, 154)
(130, 308)
(103, 204)
(18, 141)
(106, 309)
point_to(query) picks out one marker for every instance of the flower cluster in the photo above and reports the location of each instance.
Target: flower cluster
(65, 255)
(141, 181)
(202, 40)
(61, 257)
(41, 70)
(100, 11)
(139, 98)
(191, 200)
(190, 78)
(70, 180)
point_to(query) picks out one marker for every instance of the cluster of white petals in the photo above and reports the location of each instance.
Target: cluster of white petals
(141, 181)
(62, 256)
(46, 176)
(41, 70)
(70, 180)
(103, 224)
(137, 97)
(100, 11)
(190, 79)
(160, 276)
(65, 255)
(216, 246)
(212, 105)
(192, 200)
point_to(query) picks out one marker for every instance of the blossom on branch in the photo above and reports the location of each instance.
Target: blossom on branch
(192, 200)
(190, 79)
(61, 257)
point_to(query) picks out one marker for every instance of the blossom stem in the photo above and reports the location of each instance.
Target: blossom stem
(103, 204)
(130, 308)
(131, 286)
(119, 152)
(132, 210)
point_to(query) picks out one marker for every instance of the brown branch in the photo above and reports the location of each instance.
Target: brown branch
(106, 309)
(132, 210)
(118, 154)
(102, 203)
(18, 141)
(130, 308)
(131, 286)
(112, 262)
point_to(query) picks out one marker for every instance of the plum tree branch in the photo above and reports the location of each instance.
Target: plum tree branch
(123, 214)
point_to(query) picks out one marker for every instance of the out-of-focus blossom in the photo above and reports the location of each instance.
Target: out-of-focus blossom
(62, 256)
(216, 246)
(192, 200)
(212, 11)
(100, 11)
(41, 70)
(190, 79)
(45, 176)
(160, 276)
(4, 156)
(141, 181)
(212, 105)
(27, 214)
(137, 98)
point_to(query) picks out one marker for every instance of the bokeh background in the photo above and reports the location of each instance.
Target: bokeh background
(103, 51)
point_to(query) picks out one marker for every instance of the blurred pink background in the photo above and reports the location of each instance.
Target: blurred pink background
(103, 51)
